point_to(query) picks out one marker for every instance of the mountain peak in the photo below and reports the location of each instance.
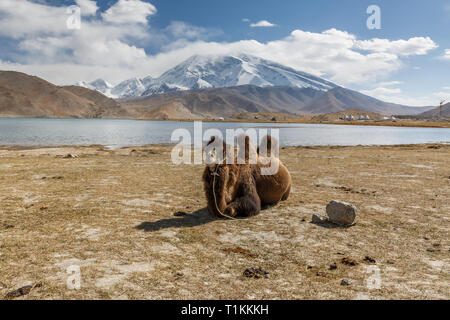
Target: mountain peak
(218, 71)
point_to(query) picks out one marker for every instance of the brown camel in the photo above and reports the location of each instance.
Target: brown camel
(239, 190)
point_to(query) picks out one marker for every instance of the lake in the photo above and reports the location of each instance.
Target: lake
(121, 133)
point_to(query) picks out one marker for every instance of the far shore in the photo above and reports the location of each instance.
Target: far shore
(385, 123)
(397, 123)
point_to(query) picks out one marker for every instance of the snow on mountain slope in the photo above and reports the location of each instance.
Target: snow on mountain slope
(99, 85)
(200, 72)
(129, 88)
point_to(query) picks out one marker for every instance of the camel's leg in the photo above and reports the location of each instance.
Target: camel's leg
(246, 206)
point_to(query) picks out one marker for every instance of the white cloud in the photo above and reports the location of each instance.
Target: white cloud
(246, 20)
(105, 48)
(381, 91)
(394, 95)
(413, 46)
(390, 83)
(262, 23)
(22, 18)
(443, 95)
(88, 7)
(182, 30)
(129, 12)
(446, 55)
(45, 39)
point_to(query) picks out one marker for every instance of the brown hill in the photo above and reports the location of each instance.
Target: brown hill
(22, 95)
(220, 102)
(435, 113)
(341, 99)
(226, 102)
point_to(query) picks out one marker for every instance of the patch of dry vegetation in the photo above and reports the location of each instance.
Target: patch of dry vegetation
(112, 214)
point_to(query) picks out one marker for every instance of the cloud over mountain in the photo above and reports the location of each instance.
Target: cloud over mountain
(113, 44)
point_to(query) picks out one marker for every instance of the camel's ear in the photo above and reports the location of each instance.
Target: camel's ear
(213, 138)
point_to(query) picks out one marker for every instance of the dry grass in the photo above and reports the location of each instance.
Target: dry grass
(112, 214)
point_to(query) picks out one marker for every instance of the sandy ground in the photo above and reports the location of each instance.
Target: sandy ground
(111, 214)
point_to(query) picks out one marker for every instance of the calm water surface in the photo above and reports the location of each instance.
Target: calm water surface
(121, 133)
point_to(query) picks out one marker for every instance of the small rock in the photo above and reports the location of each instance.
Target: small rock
(349, 262)
(317, 219)
(180, 214)
(256, 273)
(70, 156)
(19, 292)
(341, 213)
(333, 266)
(43, 208)
(345, 282)
(369, 260)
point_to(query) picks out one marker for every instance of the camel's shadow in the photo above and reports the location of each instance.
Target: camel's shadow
(197, 218)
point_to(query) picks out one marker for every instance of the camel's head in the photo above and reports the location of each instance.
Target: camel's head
(218, 153)
(224, 172)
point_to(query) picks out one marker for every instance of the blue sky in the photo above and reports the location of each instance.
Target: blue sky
(406, 61)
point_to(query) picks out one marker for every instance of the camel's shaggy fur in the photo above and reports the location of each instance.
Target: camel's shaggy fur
(240, 189)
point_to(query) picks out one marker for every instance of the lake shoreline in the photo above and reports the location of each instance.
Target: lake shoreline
(166, 145)
(387, 123)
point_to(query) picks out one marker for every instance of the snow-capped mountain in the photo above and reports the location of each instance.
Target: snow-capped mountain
(129, 88)
(99, 85)
(200, 72)
(228, 71)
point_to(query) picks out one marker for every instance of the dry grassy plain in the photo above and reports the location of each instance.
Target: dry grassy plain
(112, 214)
